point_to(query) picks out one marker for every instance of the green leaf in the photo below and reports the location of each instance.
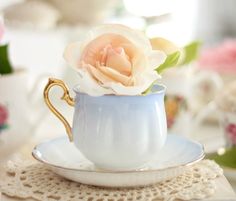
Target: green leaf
(191, 52)
(4, 126)
(171, 61)
(5, 66)
(226, 159)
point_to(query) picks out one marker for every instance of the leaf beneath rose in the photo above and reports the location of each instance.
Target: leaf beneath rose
(171, 61)
(190, 52)
(5, 66)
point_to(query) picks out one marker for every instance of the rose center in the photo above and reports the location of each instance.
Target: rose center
(116, 58)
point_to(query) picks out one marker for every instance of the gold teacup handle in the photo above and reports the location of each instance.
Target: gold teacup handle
(66, 96)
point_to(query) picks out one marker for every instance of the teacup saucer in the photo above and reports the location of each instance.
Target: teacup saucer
(64, 159)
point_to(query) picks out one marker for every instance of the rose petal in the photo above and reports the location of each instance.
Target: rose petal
(131, 50)
(143, 82)
(156, 58)
(87, 84)
(116, 76)
(136, 37)
(164, 45)
(140, 63)
(94, 50)
(119, 62)
(99, 75)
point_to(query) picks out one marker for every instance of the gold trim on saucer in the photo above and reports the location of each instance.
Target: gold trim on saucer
(66, 96)
(36, 154)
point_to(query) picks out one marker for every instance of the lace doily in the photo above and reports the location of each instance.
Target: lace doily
(37, 181)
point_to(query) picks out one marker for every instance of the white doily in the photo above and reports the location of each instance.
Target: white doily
(38, 182)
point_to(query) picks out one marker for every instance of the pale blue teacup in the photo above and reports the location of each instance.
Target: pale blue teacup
(115, 132)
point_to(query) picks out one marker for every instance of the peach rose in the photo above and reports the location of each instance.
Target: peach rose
(164, 45)
(114, 59)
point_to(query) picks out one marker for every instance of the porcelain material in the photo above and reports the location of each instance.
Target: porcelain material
(196, 90)
(228, 125)
(66, 160)
(75, 11)
(17, 104)
(115, 132)
(120, 132)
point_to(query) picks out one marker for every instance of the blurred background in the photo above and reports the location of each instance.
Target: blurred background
(34, 24)
(38, 31)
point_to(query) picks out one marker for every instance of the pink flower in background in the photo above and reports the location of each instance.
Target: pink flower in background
(231, 132)
(3, 115)
(221, 58)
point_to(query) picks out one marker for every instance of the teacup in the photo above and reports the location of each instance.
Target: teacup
(188, 93)
(115, 132)
(20, 110)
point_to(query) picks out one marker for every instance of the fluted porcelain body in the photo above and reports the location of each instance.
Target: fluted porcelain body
(120, 132)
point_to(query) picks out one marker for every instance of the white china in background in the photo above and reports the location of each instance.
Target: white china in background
(76, 11)
(20, 113)
(226, 105)
(39, 15)
(66, 160)
(196, 89)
